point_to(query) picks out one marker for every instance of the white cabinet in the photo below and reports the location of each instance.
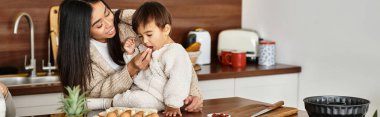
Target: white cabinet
(217, 88)
(270, 88)
(40, 104)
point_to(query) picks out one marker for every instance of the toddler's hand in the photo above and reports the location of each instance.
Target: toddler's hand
(169, 111)
(130, 45)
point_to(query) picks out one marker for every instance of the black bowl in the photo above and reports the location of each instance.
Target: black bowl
(336, 106)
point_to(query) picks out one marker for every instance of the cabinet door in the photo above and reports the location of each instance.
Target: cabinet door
(270, 89)
(217, 88)
(39, 104)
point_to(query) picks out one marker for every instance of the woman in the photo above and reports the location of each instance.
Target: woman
(7, 107)
(90, 54)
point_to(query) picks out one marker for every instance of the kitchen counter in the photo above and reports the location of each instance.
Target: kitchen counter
(207, 72)
(210, 106)
(218, 71)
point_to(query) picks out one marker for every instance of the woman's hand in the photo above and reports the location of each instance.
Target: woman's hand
(193, 104)
(139, 62)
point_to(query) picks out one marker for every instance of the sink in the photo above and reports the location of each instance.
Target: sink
(27, 81)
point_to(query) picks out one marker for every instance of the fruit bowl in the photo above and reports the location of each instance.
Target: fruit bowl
(194, 56)
(336, 106)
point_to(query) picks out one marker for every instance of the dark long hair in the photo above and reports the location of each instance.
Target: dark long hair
(74, 62)
(115, 48)
(73, 59)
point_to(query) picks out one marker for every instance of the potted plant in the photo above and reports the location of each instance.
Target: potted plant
(74, 102)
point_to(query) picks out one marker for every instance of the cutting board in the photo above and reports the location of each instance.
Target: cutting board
(281, 112)
(247, 111)
(54, 30)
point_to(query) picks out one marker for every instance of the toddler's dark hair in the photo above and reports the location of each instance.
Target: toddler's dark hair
(151, 11)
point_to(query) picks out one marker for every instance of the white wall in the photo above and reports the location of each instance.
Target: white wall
(337, 43)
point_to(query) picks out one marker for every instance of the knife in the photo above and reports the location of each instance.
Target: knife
(271, 107)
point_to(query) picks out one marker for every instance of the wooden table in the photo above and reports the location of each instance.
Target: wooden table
(216, 105)
(224, 104)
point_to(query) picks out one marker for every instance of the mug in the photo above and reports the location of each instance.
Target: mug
(238, 59)
(224, 58)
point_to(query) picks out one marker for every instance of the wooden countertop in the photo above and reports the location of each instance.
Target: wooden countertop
(218, 71)
(207, 72)
(210, 106)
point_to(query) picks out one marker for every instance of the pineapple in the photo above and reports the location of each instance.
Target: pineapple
(74, 103)
(375, 114)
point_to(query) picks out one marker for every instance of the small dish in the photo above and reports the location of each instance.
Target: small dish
(218, 115)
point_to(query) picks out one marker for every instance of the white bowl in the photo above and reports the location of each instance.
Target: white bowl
(194, 56)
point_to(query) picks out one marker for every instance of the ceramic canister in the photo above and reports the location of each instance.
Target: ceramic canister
(267, 53)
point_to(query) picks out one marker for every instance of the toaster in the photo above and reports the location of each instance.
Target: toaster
(239, 39)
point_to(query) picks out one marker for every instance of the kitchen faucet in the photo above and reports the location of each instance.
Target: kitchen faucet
(48, 68)
(32, 65)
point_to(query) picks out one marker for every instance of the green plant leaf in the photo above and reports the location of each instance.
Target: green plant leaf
(73, 104)
(375, 114)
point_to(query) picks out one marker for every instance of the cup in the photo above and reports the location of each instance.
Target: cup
(224, 58)
(238, 59)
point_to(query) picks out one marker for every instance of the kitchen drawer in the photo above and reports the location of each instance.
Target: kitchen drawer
(38, 110)
(40, 104)
(212, 89)
(37, 100)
